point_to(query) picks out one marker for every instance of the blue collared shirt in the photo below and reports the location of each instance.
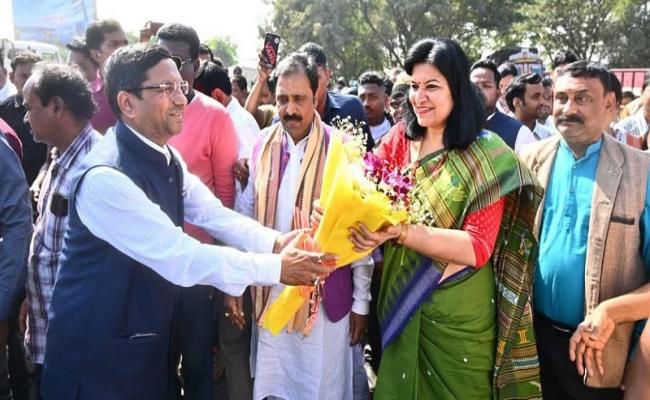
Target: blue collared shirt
(559, 291)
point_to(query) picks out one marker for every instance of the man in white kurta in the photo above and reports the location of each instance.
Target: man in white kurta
(292, 366)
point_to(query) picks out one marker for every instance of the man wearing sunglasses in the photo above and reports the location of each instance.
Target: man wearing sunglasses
(208, 143)
(125, 255)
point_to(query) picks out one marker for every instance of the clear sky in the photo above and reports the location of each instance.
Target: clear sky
(237, 19)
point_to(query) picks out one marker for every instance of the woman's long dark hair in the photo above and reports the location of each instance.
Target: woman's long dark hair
(468, 113)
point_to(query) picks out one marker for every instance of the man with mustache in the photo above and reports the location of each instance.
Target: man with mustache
(313, 357)
(594, 241)
(59, 107)
(125, 255)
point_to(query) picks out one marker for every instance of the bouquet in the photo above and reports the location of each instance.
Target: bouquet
(357, 187)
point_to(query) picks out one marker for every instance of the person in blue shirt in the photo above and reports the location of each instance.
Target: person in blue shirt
(594, 241)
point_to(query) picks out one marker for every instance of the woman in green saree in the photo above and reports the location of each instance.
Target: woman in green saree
(454, 305)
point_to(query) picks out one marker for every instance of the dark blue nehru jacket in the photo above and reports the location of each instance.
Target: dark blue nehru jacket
(111, 317)
(504, 126)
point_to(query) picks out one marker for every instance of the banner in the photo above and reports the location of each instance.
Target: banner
(52, 21)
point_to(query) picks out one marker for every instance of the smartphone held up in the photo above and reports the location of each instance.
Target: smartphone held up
(270, 50)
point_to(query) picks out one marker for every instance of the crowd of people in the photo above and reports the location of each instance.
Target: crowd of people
(153, 206)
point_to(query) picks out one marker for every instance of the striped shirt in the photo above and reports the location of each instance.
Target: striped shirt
(47, 240)
(635, 124)
(542, 132)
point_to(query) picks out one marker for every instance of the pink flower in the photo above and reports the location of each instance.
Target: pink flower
(388, 178)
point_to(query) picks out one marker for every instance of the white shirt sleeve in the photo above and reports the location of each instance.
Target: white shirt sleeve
(240, 231)
(114, 209)
(247, 130)
(245, 202)
(524, 136)
(361, 278)
(206, 211)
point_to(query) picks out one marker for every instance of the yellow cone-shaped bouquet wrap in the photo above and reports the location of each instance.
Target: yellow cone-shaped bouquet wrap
(285, 307)
(348, 197)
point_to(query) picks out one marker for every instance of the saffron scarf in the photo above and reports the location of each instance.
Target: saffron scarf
(270, 168)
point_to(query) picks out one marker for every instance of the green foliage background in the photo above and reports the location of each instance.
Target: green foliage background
(373, 34)
(224, 48)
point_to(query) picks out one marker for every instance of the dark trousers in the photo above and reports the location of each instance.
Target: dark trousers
(374, 330)
(236, 349)
(35, 389)
(14, 379)
(560, 378)
(5, 385)
(192, 343)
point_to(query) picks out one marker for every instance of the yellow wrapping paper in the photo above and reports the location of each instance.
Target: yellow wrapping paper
(285, 307)
(280, 312)
(347, 198)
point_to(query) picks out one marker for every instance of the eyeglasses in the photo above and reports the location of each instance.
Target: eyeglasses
(168, 88)
(180, 63)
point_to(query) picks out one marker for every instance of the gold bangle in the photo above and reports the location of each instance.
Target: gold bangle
(402, 234)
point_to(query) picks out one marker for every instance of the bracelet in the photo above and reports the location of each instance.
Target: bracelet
(402, 235)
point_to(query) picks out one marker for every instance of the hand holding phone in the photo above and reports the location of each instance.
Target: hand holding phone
(270, 50)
